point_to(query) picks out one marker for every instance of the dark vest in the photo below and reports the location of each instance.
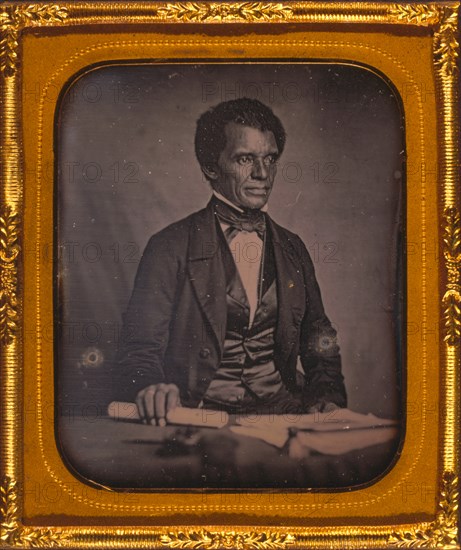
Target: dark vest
(247, 371)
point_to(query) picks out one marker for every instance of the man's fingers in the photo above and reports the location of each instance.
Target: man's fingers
(149, 399)
(329, 407)
(159, 405)
(140, 404)
(323, 407)
(172, 398)
(155, 401)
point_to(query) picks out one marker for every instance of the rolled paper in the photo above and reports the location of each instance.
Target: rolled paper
(207, 418)
(121, 410)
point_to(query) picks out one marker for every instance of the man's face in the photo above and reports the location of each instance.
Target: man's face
(247, 166)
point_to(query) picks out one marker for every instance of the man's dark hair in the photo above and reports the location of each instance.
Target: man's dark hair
(210, 137)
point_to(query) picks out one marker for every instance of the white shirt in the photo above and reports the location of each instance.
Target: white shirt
(247, 249)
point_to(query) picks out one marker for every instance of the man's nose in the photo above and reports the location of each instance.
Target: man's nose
(259, 170)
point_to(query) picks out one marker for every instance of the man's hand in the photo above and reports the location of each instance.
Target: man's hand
(155, 401)
(323, 406)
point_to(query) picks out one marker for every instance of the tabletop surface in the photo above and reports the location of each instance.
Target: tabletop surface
(131, 455)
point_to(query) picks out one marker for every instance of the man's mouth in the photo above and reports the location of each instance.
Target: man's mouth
(259, 191)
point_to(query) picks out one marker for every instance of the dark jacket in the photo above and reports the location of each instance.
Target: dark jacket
(175, 324)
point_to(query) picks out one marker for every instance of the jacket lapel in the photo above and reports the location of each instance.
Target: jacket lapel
(206, 271)
(290, 289)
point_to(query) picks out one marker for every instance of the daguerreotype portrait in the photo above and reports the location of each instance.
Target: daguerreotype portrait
(230, 275)
(218, 323)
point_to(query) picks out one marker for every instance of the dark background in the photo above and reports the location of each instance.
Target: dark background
(127, 168)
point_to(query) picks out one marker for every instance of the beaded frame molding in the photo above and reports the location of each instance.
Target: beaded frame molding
(438, 20)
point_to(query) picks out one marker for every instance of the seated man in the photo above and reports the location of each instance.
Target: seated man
(226, 300)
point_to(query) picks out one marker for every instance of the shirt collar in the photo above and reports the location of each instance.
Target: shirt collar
(227, 201)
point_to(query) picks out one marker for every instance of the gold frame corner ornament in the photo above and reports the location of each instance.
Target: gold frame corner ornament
(13, 19)
(446, 45)
(13, 532)
(443, 531)
(444, 20)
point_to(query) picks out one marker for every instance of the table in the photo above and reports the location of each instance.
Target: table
(131, 455)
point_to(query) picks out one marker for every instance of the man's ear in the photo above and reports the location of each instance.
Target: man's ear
(210, 171)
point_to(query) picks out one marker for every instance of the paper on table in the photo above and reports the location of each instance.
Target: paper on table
(340, 443)
(275, 429)
(277, 437)
(339, 419)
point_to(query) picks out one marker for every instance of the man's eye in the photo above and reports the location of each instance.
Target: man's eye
(270, 159)
(245, 159)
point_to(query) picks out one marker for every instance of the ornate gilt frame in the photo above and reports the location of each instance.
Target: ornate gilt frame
(438, 20)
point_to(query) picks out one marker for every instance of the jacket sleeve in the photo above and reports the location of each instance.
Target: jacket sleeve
(319, 351)
(147, 320)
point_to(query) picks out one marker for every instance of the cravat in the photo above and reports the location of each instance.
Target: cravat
(249, 220)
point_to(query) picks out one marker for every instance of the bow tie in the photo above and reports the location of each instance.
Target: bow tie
(250, 220)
